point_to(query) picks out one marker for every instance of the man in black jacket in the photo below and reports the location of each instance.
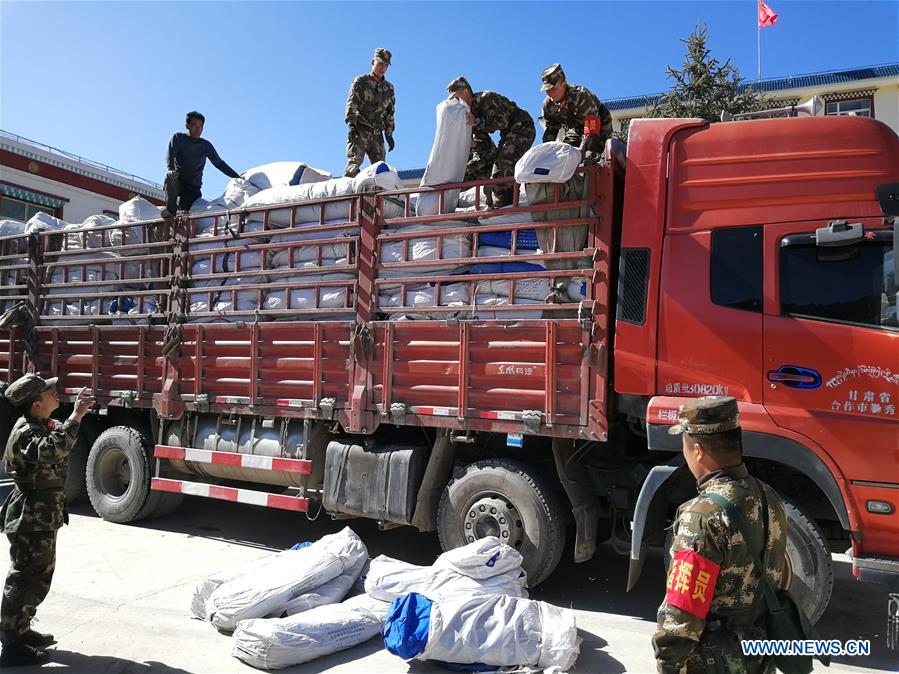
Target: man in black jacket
(186, 157)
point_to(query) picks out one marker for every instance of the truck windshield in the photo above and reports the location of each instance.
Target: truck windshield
(853, 284)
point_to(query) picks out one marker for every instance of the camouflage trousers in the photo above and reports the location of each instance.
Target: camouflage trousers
(32, 560)
(360, 142)
(488, 160)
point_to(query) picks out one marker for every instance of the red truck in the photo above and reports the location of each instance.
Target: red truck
(755, 259)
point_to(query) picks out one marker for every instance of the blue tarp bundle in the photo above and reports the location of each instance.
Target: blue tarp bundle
(407, 625)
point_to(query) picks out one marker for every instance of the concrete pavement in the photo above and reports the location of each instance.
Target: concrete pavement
(120, 598)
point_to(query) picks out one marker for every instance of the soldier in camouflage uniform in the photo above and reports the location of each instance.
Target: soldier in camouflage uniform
(36, 458)
(710, 604)
(573, 114)
(369, 114)
(490, 112)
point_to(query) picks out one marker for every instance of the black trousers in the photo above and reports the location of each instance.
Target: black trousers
(179, 196)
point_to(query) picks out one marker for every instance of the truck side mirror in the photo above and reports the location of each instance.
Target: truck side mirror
(839, 233)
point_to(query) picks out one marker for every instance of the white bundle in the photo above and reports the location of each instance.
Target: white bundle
(501, 630)
(552, 162)
(283, 173)
(425, 248)
(138, 210)
(424, 295)
(13, 228)
(329, 297)
(310, 231)
(275, 644)
(465, 570)
(238, 191)
(536, 289)
(206, 226)
(510, 219)
(377, 176)
(518, 314)
(332, 592)
(448, 158)
(257, 594)
(244, 256)
(43, 222)
(81, 237)
(484, 558)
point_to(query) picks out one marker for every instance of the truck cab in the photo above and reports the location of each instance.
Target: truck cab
(769, 275)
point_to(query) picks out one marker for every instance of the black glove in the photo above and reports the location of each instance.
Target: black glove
(572, 137)
(390, 144)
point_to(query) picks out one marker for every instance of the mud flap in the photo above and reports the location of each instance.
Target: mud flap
(658, 476)
(584, 505)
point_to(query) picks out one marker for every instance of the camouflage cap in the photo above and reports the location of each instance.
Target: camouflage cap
(710, 414)
(382, 55)
(458, 83)
(551, 75)
(27, 388)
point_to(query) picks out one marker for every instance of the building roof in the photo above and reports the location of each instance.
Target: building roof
(72, 162)
(780, 83)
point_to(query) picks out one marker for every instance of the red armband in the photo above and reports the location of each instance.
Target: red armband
(691, 582)
(592, 125)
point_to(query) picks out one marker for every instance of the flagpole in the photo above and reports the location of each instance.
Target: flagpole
(758, 33)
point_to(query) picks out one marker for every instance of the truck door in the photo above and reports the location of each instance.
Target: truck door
(831, 352)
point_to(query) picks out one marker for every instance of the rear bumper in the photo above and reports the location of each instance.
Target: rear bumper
(882, 570)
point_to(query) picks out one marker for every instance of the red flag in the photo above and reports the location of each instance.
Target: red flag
(767, 16)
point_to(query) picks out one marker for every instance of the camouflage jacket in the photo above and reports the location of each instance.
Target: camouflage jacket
(494, 112)
(712, 581)
(36, 458)
(370, 104)
(568, 116)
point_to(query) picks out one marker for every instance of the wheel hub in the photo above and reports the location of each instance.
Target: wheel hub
(491, 516)
(114, 473)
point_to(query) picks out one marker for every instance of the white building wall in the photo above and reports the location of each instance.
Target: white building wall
(81, 204)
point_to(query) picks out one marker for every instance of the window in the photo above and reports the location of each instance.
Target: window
(16, 209)
(860, 107)
(849, 284)
(736, 278)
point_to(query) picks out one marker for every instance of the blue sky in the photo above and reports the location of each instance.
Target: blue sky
(112, 81)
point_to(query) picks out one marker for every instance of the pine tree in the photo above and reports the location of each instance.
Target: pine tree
(704, 87)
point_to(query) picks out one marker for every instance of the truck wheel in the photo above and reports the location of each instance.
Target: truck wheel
(809, 563)
(76, 473)
(506, 499)
(119, 469)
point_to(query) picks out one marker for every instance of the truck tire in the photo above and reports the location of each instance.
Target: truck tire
(809, 562)
(76, 473)
(119, 469)
(506, 499)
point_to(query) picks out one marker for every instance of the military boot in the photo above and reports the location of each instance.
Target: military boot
(20, 654)
(36, 639)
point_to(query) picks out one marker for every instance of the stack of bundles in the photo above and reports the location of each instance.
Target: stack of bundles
(315, 258)
(485, 566)
(76, 282)
(309, 264)
(496, 631)
(9, 274)
(284, 583)
(531, 290)
(229, 251)
(448, 158)
(435, 247)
